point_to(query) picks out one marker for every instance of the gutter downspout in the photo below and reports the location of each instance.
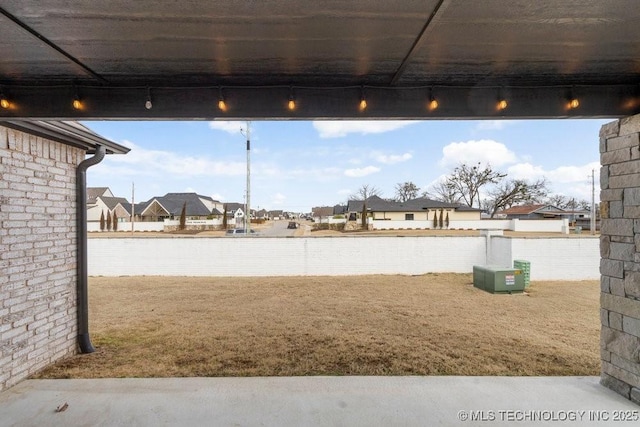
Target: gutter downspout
(84, 342)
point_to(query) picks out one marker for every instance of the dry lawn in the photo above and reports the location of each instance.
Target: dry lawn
(436, 324)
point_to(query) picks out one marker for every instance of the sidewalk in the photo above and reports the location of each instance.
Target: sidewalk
(316, 401)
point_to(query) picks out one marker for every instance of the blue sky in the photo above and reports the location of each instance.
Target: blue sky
(296, 165)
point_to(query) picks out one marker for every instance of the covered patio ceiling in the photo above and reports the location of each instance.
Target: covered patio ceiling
(326, 56)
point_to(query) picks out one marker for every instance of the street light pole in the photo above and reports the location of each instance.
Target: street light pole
(592, 221)
(247, 213)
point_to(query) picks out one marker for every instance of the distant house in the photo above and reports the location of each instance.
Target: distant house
(533, 211)
(541, 211)
(100, 201)
(262, 214)
(276, 215)
(322, 212)
(235, 210)
(420, 209)
(170, 206)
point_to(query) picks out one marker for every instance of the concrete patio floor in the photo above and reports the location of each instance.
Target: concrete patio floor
(316, 401)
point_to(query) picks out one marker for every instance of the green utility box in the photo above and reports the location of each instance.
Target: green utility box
(525, 266)
(498, 280)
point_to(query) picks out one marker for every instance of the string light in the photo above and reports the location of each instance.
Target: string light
(574, 103)
(222, 105)
(433, 102)
(76, 104)
(148, 105)
(4, 102)
(363, 100)
(292, 102)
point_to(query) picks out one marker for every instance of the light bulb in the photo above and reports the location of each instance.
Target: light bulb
(574, 103)
(363, 104)
(222, 106)
(148, 105)
(433, 104)
(77, 104)
(4, 102)
(291, 104)
(502, 104)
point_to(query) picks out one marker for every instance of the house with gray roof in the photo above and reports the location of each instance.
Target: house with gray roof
(419, 209)
(170, 206)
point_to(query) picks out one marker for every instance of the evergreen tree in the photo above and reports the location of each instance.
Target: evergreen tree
(183, 217)
(441, 222)
(115, 221)
(102, 224)
(108, 222)
(224, 218)
(446, 221)
(435, 220)
(364, 215)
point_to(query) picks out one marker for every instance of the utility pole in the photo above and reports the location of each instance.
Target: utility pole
(247, 228)
(592, 222)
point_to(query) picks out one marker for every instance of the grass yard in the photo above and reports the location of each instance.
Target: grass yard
(436, 324)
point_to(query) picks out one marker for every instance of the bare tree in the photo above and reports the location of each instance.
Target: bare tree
(406, 191)
(569, 203)
(466, 181)
(515, 191)
(366, 191)
(442, 192)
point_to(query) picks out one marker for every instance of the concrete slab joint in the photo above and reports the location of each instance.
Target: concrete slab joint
(620, 252)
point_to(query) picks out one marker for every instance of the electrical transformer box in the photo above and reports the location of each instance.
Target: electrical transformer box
(495, 279)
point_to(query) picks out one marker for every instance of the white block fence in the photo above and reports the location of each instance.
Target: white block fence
(551, 258)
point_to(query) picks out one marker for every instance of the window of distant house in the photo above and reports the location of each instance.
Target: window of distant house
(408, 217)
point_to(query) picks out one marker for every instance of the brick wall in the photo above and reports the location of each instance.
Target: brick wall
(620, 252)
(37, 253)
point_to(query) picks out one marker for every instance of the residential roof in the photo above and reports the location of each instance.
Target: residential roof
(319, 211)
(68, 133)
(375, 203)
(233, 206)
(94, 192)
(527, 209)
(112, 202)
(173, 203)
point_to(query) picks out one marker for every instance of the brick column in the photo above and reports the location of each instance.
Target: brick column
(37, 253)
(620, 256)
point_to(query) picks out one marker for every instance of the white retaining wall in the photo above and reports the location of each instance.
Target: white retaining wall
(555, 258)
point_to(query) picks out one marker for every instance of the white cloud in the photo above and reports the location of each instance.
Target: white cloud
(278, 199)
(560, 175)
(571, 181)
(390, 159)
(141, 161)
(485, 151)
(494, 124)
(232, 127)
(340, 128)
(217, 196)
(360, 172)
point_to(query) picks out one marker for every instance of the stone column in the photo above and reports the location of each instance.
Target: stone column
(620, 256)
